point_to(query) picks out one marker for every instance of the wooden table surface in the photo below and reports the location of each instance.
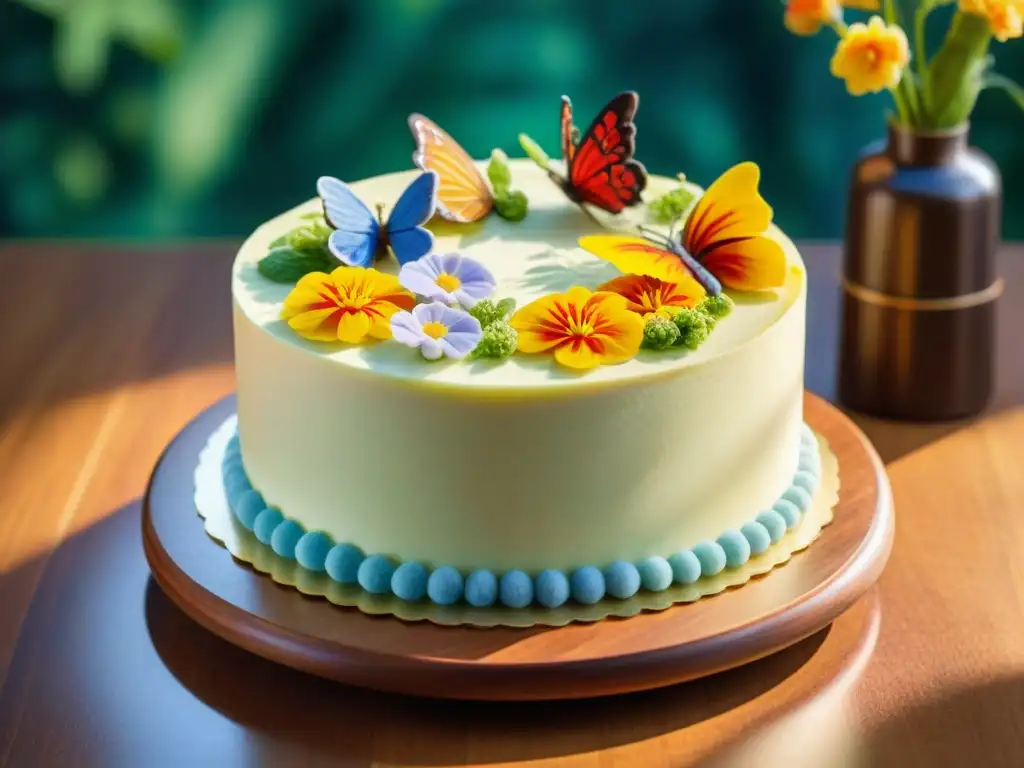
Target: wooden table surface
(105, 353)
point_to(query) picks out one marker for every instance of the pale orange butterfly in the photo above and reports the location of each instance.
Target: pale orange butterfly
(463, 195)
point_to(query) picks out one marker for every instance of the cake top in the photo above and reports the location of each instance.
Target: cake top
(552, 275)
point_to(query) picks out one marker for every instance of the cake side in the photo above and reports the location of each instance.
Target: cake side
(517, 464)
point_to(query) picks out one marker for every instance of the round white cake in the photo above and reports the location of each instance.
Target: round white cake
(518, 463)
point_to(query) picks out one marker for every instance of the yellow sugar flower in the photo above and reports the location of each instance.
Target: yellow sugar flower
(352, 304)
(871, 57)
(1005, 17)
(582, 329)
(863, 5)
(806, 17)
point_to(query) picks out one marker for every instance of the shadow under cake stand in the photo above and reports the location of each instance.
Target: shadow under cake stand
(650, 650)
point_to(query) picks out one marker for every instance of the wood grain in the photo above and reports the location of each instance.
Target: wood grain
(612, 656)
(108, 352)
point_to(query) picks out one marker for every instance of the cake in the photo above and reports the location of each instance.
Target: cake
(514, 419)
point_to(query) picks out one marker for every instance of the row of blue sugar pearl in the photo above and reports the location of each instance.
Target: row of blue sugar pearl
(378, 574)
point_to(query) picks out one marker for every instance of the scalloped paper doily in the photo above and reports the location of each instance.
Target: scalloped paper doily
(212, 505)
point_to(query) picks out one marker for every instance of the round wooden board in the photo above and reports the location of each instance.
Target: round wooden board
(647, 651)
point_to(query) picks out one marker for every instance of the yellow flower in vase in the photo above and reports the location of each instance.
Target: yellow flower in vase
(871, 57)
(582, 329)
(1005, 17)
(352, 304)
(806, 17)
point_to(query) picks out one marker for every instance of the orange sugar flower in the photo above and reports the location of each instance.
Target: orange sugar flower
(1005, 17)
(352, 304)
(645, 294)
(582, 329)
(871, 57)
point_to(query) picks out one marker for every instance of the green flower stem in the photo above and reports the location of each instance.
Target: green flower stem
(955, 72)
(921, 50)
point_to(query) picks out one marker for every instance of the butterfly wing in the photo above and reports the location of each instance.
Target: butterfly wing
(637, 256)
(725, 232)
(342, 209)
(565, 123)
(406, 235)
(353, 249)
(602, 170)
(463, 194)
(354, 241)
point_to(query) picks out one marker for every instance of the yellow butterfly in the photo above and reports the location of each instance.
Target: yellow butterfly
(722, 243)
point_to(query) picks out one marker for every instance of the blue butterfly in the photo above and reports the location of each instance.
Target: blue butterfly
(359, 236)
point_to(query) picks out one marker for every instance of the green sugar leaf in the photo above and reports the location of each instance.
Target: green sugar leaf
(511, 205)
(287, 265)
(693, 328)
(534, 151)
(714, 308)
(498, 171)
(672, 205)
(659, 332)
(489, 312)
(499, 340)
(310, 237)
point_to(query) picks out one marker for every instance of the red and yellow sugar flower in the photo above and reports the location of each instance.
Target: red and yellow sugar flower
(1005, 17)
(581, 329)
(723, 242)
(351, 304)
(645, 294)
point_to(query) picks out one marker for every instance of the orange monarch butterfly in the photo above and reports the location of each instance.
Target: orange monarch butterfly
(722, 242)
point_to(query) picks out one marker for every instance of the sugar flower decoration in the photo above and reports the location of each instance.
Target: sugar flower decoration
(644, 294)
(437, 330)
(351, 304)
(1005, 17)
(871, 57)
(582, 329)
(448, 277)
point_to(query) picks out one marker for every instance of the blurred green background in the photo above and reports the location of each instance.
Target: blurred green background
(199, 118)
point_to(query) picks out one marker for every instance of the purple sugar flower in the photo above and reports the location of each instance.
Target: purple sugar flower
(448, 277)
(437, 329)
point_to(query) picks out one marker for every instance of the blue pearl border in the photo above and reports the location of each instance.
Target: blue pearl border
(381, 574)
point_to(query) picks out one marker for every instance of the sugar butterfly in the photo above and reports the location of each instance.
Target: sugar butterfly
(722, 243)
(359, 237)
(463, 194)
(599, 167)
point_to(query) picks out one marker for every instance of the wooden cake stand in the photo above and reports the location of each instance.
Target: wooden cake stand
(646, 651)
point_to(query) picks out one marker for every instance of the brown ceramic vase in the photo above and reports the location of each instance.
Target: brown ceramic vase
(919, 278)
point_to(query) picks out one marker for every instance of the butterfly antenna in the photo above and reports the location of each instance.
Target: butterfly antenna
(656, 237)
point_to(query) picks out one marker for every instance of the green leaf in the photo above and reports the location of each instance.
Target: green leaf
(282, 240)
(1012, 89)
(498, 171)
(534, 151)
(955, 73)
(310, 237)
(671, 206)
(511, 206)
(286, 265)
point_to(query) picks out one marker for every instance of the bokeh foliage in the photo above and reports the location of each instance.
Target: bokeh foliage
(157, 118)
